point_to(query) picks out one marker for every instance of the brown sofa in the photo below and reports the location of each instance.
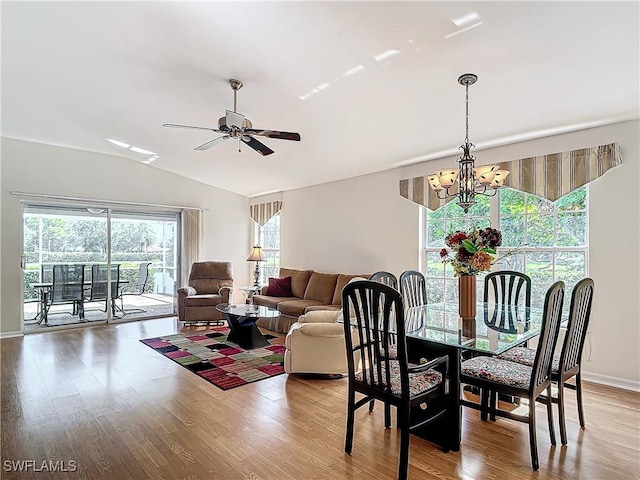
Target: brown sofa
(311, 291)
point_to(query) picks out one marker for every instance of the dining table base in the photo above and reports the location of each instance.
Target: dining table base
(446, 432)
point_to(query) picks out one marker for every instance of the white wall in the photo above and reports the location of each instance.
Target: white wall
(357, 225)
(361, 225)
(38, 168)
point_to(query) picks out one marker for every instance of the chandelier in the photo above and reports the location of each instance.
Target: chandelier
(472, 180)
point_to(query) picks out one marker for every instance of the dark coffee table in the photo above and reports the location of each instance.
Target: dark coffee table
(242, 323)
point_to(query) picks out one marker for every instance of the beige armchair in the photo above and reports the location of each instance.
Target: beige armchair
(315, 344)
(210, 283)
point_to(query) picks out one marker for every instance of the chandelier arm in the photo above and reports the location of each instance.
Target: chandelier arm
(492, 194)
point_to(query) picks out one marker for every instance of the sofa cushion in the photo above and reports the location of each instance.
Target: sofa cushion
(272, 302)
(295, 308)
(299, 280)
(321, 287)
(315, 308)
(279, 287)
(342, 281)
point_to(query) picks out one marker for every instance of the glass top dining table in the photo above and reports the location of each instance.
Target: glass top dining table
(496, 327)
(436, 329)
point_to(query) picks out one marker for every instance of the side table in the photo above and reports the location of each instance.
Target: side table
(251, 291)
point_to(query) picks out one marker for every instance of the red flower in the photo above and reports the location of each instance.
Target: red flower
(455, 239)
(444, 253)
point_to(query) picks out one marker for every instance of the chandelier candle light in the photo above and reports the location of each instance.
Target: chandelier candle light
(256, 256)
(471, 180)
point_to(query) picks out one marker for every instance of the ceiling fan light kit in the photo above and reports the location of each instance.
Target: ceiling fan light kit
(472, 180)
(237, 126)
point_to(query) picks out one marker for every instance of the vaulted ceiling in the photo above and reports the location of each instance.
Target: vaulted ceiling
(368, 85)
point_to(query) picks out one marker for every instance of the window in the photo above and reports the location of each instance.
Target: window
(268, 237)
(551, 240)
(441, 283)
(65, 234)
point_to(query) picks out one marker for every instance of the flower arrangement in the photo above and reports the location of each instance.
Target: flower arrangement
(473, 252)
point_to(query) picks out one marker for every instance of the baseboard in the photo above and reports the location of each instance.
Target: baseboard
(622, 383)
(11, 334)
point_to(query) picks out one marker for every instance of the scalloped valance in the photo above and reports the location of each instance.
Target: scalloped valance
(549, 176)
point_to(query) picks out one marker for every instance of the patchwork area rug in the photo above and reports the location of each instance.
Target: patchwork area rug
(225, 364)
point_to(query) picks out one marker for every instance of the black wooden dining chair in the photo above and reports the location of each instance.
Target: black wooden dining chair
(492, 374)
(568, 363)
(387, 278)
(512, 292)
(413, 287)
(369, 307)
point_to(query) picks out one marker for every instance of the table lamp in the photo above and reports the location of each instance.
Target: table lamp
(256, 256)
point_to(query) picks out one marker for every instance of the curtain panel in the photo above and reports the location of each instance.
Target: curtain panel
(263, 212)
(548, 176)
(191, 241)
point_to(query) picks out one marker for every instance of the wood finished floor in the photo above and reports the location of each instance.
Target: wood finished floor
(119, 410)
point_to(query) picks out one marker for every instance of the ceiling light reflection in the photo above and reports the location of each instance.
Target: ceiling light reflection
(468, 18)
(141, 150)
(386, 54)
(463, 30)
(118, 143)
(353, 70)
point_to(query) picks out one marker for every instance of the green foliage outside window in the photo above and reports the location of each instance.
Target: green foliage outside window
(80, 240)
(269, 240)
(551, 238)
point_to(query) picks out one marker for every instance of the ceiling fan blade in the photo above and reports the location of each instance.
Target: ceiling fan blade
(259, 147)
(174, 125)
(234, 119)
(211, 143)
(274, 134)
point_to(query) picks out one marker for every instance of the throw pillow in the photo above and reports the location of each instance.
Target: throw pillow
(279, 287)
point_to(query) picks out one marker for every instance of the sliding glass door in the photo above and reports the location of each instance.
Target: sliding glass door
(128, 261)
(145, 245)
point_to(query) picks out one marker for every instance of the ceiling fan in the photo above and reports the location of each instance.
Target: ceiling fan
(236, 125)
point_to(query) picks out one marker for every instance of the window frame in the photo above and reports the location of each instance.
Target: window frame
(274, 223)
(524, 251)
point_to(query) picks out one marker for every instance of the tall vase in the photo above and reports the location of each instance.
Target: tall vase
(467, 296)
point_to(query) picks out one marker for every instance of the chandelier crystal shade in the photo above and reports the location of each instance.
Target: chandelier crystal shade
(471, 180)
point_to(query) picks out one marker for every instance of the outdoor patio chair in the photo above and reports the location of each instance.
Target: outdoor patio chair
(136, 289)
(98, 290)
(67, 288)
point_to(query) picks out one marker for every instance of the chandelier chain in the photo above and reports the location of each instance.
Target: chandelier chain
(466, 136)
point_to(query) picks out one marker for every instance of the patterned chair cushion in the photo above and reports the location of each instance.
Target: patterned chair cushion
(498, 371)
(393, 353)
(419, 382)
(526, 356)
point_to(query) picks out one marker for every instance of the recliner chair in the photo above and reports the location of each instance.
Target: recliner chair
(210, 284)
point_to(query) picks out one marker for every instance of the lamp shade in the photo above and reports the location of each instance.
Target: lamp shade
(447, 177)
(256, 255)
